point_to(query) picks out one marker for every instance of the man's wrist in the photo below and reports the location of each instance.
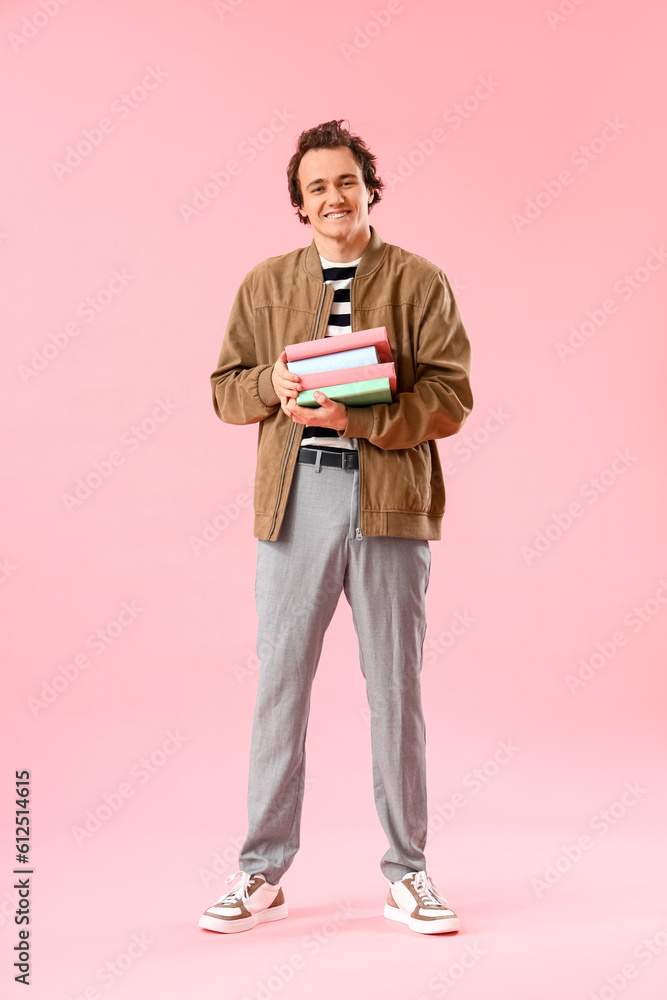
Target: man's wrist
(359, 422)
(265, 387)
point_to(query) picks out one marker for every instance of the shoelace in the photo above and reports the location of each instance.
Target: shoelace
(239, 891)
(429, 894)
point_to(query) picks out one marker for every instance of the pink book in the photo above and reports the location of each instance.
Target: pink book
(343, 375)
(377, 337)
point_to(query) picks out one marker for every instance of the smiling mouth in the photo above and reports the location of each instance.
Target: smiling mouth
(337, 215)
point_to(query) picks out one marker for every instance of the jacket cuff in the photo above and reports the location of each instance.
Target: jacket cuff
(360, 422)
(265, 390)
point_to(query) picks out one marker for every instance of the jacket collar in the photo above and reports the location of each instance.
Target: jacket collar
(371, 258)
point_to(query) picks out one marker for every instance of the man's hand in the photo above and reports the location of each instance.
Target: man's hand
(288, 386)
(328, 414)
(284, 381)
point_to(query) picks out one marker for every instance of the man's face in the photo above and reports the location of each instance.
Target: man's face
(335, 197)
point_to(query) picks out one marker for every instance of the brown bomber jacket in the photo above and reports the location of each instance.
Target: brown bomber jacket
(284, 300)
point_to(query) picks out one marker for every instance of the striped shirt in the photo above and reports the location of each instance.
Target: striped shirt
(339, 276)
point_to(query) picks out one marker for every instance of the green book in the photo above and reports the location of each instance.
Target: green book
(364, 393)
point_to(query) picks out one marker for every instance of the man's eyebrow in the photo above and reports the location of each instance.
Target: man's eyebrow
(320, 180)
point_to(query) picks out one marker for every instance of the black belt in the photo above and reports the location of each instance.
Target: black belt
(341, 458)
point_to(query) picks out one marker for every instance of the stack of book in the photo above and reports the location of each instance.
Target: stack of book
(352, 368)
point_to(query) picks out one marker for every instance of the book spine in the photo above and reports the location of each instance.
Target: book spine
(351, 393)
(316, 380)
(377, 337)
(334, 360)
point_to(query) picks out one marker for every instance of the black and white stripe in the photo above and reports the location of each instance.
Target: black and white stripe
(339, 276)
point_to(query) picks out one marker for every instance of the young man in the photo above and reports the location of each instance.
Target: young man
(345, 498)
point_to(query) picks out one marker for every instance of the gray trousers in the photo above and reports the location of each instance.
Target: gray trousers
(319, 553)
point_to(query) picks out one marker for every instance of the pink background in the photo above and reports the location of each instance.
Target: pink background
(182, 661)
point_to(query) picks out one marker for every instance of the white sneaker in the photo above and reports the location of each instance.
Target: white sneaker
(251, 901)
(417, 902)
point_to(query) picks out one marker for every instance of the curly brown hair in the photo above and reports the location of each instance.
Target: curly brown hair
(328, 135)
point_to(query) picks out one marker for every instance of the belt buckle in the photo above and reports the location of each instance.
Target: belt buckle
(345, 455)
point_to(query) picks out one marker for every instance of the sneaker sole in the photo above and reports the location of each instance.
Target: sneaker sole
(244, 923)
(445, 926)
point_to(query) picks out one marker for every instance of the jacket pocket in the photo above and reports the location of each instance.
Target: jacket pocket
(401, 480)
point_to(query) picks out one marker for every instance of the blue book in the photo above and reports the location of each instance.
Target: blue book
(356, 358)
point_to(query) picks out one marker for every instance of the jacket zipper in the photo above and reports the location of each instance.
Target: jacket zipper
(358, 532)
(282, 477)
